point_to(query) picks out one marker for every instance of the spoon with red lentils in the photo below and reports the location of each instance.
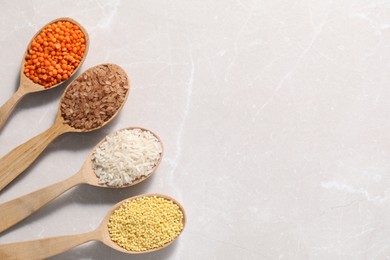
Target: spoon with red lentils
(137, 225)
(54, 54)
(89, 102)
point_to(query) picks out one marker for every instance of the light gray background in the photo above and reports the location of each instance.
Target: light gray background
(275, 116)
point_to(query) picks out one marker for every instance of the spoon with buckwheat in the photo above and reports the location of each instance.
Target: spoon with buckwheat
(89, 102)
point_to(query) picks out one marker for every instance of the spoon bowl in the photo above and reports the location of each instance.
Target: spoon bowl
(20, 158)
(105, 236)
(20, 208)
(43, 248)
(26, 85)
(89, 174)
(60, 118)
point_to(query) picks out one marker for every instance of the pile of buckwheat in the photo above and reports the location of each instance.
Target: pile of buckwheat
(94, 97)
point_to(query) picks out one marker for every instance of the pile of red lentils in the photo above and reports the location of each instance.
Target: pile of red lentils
(55, 53)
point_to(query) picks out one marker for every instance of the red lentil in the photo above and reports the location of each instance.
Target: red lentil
(55, 53)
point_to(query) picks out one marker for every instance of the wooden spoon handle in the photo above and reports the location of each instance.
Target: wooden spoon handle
(20, 158)
(6, 109)
(18, 209)
(43, 248)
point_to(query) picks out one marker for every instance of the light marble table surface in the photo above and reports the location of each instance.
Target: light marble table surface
(274, 114)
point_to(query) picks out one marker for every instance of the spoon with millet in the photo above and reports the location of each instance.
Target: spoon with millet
(54, 55)
(137, 225)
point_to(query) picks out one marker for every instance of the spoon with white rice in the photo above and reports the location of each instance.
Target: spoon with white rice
(122, 159)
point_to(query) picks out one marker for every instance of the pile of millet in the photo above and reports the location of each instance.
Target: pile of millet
(145, 223)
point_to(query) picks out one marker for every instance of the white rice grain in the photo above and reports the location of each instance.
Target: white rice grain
(126, 156)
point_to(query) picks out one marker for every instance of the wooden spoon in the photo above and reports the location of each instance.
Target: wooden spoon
(47, 247)
(18, 209)
(20, 158)
(26, 85)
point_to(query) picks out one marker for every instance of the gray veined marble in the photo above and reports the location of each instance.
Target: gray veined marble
(275, 119)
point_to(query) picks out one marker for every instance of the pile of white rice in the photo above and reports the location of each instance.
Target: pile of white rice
(126, 156)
